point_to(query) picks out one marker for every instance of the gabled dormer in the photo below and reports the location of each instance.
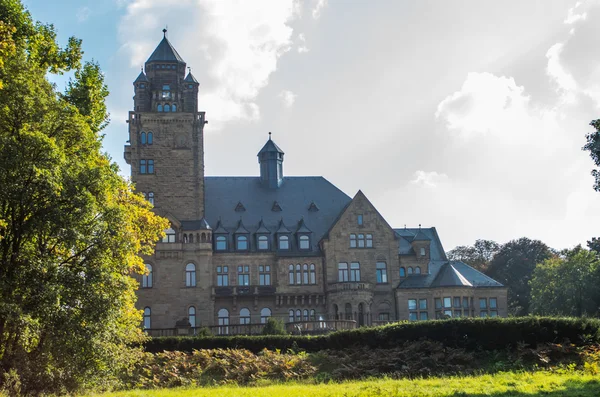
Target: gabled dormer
(421, 244)
(220, 237)
(284, 235)
(263, 237)
(241, 237)
(303, 236)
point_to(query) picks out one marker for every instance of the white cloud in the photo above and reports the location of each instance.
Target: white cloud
(302, 48)
(557, 72)
(572, 17)
(83, 14)
(233, 46)
(287, 98)
(318, 7)
(429, 179)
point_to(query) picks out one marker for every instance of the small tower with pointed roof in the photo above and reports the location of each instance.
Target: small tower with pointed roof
(270, 158)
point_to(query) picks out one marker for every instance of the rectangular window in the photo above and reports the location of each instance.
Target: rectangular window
(457, 313)
(438, 303)
(264, 275)
(244, 275)
(422, 251)
(304, 242)
(465, 302)
(384, 317)
(359, 219)
(221, 244)
(482, 303)
(493, 303)
(483, 313)
(342, 272)
(361, 241)
(422, 304)
(448, 313)
(413, 316)
(143, 169)
(412, 304)
(263, 243)
(423, 316)
(222, 276)
(355, 271)
(448, 302)
(369, 241)
(353, 241)
(457, 301)
(151, 166)
(381, 272)
(493, 313)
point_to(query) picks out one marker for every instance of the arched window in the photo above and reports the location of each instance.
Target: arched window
(150, 138)
(159, 107)
(291, 274)
(151, 198)
(147, 314)
(241, 243)
(174, 107)
(291, 313)
(284, 242)
(298, 315)
(348, 311)
(313, 317)
(244, 316)
(409, 270)
(402, 272)
(169, 236)
(417, 270)
(147, 278)
(298, 274)
(221, 243)
(305, 315)
(265, 313)
(305, 274)
(190, 275)
(191, 238)
(313, 274)
(223, 317)
(304, 242)
(263, 243)
(167, 107)
(143, 138)
(192, 316)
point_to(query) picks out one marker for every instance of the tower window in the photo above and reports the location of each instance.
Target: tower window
(142, 85)
(190, 275)
(169, 236)
(143, 138)
(166, 92)
(147, 277)
(150, 138)
(359, 219)
(151, 166)
(174, 108)
(143, 167)
(190, 86)
(159, 107)
(151, 197)
(167, 107)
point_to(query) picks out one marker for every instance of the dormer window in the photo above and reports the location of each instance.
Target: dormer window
(359, 220)
(221, 243)
(422, 251)
(169, 236)
(304, 242)
(284, 242)
(142, 85)
(166, 92)
(241, 243)
(262, 243)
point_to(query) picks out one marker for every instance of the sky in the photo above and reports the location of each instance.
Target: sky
(468, 116)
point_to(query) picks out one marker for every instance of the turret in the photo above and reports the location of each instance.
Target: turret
(270, 158)
(142, 98)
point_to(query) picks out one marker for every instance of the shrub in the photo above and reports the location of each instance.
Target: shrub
(274, 327)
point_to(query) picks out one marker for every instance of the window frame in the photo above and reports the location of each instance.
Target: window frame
(304, 238)
(264, 274)
(222, 276)
(354, 272)
(242, 242)
(264, 239)
(280, 239)
(220, 239)
(243, 273)
(343, 272)
(190, 275)
(148, 279)
(381, 272)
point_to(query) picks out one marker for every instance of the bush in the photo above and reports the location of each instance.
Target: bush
(469, 333)
(274, 327)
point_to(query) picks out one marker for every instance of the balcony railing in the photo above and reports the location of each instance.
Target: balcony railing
(349, 286)
(244, 290)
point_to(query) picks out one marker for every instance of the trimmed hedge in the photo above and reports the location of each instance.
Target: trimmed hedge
(468, 333)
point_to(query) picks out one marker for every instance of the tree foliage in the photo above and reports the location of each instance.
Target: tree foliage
(593, 146)
(567, 284)
(71, 229)
(478, 256)
(513, 266)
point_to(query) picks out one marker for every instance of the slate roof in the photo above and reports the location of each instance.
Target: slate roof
(449, 274)
(202, 224)
(270, 146)
(165, 52)
(294, 196)
(141, 78)
(436, 251)
(190, 78)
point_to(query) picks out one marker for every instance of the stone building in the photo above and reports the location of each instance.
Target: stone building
(243, 249)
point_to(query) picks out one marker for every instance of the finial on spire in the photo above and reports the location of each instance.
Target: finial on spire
(419, 225)
(269, 135)
(165, 32)
(189, 69)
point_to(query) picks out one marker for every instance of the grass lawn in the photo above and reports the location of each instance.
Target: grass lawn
(524, 384)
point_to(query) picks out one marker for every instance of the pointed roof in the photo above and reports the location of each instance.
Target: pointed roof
(302, 227)
(276, 207)
(262, 228)
(165, 52)
(240, 207)
(220, 229)
(281, 228)
(204, 224)
(448, 276)
(240, 228)
(270, 146)
(142, 78)
(313, 207)
(421, 236)
(190, 78)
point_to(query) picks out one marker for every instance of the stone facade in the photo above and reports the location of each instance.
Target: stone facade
(240, 250)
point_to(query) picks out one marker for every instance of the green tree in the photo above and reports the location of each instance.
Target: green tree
(567, 285)
(71, 229)
(593, 146)
(478, 256)
(513, 266)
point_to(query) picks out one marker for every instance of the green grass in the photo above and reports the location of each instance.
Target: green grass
(525, 384)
